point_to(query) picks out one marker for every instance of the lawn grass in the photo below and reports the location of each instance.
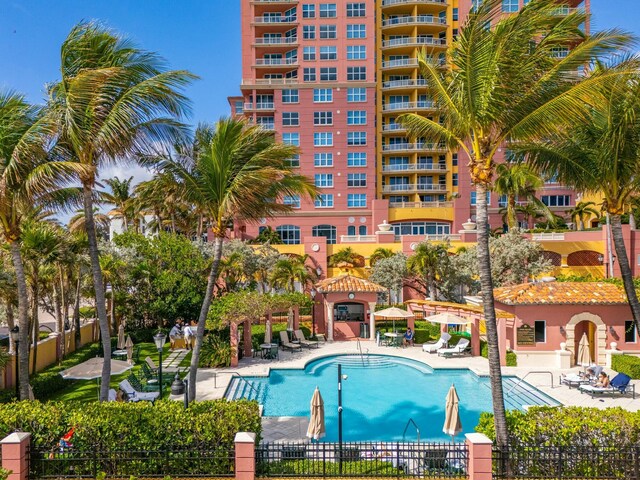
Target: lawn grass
(87, 390)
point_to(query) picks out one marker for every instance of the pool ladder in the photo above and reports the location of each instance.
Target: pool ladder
(359, 345)
(406, 427)
(520, 380)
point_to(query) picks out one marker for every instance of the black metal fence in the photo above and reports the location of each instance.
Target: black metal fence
(72, 463)
(571, 462)
(362, 459)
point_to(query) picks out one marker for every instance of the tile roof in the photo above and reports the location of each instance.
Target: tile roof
(348, 283)
(561, 293)
(463, 307)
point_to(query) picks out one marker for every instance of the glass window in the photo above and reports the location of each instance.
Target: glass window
(540, 331)
(328, 53)
(475, 4)
(289, 234)
(362, 230)
(454, 159)
(323, 139)
(290, 96)
(328, 74)
(454, 179)
(294, 161)
(473, 198)
(290, 119)
(328, 31)
(356, 31)
(356, 180)
(328, 10)
(292, 200)
(356, 9)
(309, 75)
(356, 52)
(323, 118)
(309, 32)
(356, 159)
(351, 230)
(327, 231)
(322, 95)
(629, 331)
(323, 159)
(357, 117)
(509, 6)
(356, 73)
(356, 138)
(357, 200)
(308, 10)
(455, 14)
(309, 53)
(419, 228)
(358, 94)
(324, 180)
(556, 200)
(291, 139)
(239, 106)
(324, 200)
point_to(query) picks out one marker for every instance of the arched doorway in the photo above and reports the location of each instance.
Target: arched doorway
(588, 328)
(596, 332)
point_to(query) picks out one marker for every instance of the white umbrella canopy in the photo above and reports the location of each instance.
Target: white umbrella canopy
(448, 319)
(92, 369)
(121, 342)
(394, 314)
(129, 346)
(316, 429)
(584, 352)
(452, 424)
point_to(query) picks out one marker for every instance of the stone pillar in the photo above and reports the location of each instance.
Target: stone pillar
(563, 358)
(609, 354)
(248, 344)
(296, 318)
(372, 321)
(234, 343)
(329, 307)
(475, 337)
(15, 455)
(502, 340)
(245, 444)
(480, 456)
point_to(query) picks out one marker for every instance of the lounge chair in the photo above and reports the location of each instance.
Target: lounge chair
(134, 395)
(151, 378)
(142, 387)
(434, 347)
(459, 349)
(303, 341)
(621, 384)
(113, 395)
(152, 365)
(286, 344)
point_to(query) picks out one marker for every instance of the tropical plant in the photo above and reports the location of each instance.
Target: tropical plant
(390, 272)
(581, 212)
(428, 265)
(121, 197)
(113, 100)
(507, 83)
(288, 270)
(379, 254)
(235, 173)
(346, 255)
(268, 235)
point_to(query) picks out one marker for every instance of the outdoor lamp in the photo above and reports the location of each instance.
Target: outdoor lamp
(15, 336)
(601, 258)
(159, 339)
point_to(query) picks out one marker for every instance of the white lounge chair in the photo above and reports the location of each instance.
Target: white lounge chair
(285, 343)
(459, 349)
(303, 340)
(113, 395)
(434, 347)
(135, 396)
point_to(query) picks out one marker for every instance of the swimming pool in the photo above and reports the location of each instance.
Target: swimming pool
(380, 395)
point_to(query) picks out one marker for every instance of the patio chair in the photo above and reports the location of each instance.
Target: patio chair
(138, 385)
(303, 341)
(136, 354)
(151, 364)
(152, 378)
(286, 344)
(134, 395)
(441, 343)
(621, 384)
(459, 349)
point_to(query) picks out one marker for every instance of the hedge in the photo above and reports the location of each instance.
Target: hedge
(627, 364)
(512, 358)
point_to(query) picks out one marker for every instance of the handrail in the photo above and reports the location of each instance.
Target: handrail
(520, 380)
(409, 422)
(233, 373)
(360, 349)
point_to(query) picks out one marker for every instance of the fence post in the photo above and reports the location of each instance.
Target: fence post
(480, 456)
(15, 455)
(245, 456)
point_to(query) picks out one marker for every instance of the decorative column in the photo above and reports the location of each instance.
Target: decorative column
(480, 456)
(245, 457)
(233, 327)
(475, 337)
(296, 318)
(248, 344)
(15, 455)
(329, 306)
(372, 321)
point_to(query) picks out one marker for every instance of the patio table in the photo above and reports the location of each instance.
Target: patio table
(119, 354)
(574, 380)
(266, 349)
(394, 338)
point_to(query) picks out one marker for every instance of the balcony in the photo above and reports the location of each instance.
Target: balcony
(414, 188)
(408, 106)
(414, 20)
(393, 128)
(413, 147)
(414, 42)
(391, 3)
(358, 239)
(246, 82)
(276, 62)
(401, 63)
(272, 2)
(275, 41)
(415, 167)
(404, 84)
(420, 204)
(267, 20)
(545, 237)
(262, 107)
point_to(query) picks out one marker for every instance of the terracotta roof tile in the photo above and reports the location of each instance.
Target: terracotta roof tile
(348, 283)
(561, 293)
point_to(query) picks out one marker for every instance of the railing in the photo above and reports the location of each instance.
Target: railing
(420, 204)
(358, 238)
(408, 105)
(276, 61)
(520, 380)
(394, 147)
(259, 106)
(398, 42)
(275, 1)
(362, 459)
(413, 167)
(393, 127)
(269, 81)
(412, 20)
(414, 187)
(417, 82)
(401, 62)
(288, 19)
(212, 461)
(547, 236)
(276, 40)
(387, 3)
(442, 237)
(233, 374)
(406, 427)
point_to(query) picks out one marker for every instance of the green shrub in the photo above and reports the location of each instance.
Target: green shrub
(627, 364)
(372, 468)
(87, 313)
(216, 351)
(512, 358)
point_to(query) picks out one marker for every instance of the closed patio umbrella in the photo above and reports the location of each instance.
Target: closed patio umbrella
(92, 368)
(448, 319)
(584, 352)
(394, 314)
(316, 428)
(121, 342)
(129, 346)
(452, 424)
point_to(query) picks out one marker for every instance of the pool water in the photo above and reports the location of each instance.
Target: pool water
(380, 395)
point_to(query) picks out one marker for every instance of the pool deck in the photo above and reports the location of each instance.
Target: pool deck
(212, 383)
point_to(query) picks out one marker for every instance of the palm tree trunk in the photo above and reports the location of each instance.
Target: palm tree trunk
(625, 268)
(23, 320)
(632, 221)
(512, 216)
(486, 282)
(98, 286)
(10, 325)
(202, 320)
(76, 310)
(35, 320)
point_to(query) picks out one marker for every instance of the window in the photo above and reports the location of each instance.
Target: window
(323, 118)
(322, 95)
(356, 94)
(356, 180)
(291, 139)
(309, 32)
(454, 159)
(356, 52)
(356, 159)
(324, 200)
(289, 234)
(556, 200)
(309, 75)
(356, 9)
(356, 31)
(356, 117)
(509, 6)
(356, 138)
(356, 73)
(351, 230)
(473, 198)
(294, 161)
(290, 96)
(292, 200)
(540, 327)
(323, 159)
(239, 106)
(475, 4)
(324, 180)
(309, 53)
(328, 74)
(327, 231)
(362, 230)
(323, 139)
(308, 10)
(328, 53)
(629, 331)
(290, 119)
(454, 179)
(328, 31)
(455, 14)
(419, 228)
(356, 200)
(328, 10)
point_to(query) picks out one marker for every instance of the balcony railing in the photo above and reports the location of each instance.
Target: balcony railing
(415, 167)
(401, 62)
(358, 239)
(547, 236)
(388, 3)
(442, 237)
(276, 20)
(276, 61)
(260, 106)
(269, 81)
(409, 41)
(395, 147)
(414, 187)
(411, 82)
(420, 204)
(276, 40)
(421, 105)
(393, 127)
(275, 1)
(414, 20)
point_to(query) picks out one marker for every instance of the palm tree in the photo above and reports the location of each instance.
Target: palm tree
(346, 255)
(289, 270)
(428, 264)
(235, 174)
(112, 101)
(121, 197)
(602, 156)
(162, 195)
(506, 83)
(581, 212)
(77, 223)
(380, 253)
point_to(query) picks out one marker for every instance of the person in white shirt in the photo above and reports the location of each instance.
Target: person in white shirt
(175, 333)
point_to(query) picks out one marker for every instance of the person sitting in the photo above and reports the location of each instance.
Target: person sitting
(175, 333)
(407, 339)
(603, 380)
(593, 373)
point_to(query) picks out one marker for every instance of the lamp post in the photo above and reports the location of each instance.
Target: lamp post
(340, 378)
(159, 339)
(313, 312)
(15, 336)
